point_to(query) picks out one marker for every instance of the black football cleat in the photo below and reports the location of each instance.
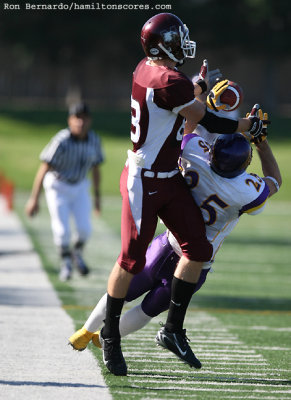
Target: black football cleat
(177, 343)
(80, 264)
(112, 355)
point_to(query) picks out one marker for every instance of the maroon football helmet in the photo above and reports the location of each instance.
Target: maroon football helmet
(165, 36)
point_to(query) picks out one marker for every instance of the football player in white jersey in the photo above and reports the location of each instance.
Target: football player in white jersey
(224, 191)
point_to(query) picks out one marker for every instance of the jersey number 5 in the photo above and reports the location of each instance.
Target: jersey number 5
(210, 209)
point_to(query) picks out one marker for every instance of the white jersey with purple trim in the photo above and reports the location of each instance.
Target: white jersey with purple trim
(221, 200)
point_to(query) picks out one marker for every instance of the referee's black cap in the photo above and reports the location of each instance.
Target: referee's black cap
(79, 109)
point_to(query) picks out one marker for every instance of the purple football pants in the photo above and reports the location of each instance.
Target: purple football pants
(156, 277)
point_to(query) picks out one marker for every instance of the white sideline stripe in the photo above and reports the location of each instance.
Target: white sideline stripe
(36, 362)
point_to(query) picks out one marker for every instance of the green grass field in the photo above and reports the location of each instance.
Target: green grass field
(24, 134)
(240, 321)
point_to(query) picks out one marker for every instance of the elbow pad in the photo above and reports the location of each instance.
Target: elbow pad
(215, 124)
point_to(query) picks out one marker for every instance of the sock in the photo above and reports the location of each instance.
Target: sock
(78, 246)
(97, 316)
(181, 295)
(133, 320)
(113, 311)
(65, 251)
(78, 250)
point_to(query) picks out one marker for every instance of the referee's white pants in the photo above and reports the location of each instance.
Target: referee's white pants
(64, 201)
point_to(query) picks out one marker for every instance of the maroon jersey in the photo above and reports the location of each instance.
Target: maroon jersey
(158, 94)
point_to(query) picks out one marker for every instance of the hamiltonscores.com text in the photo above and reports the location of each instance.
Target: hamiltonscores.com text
(74, 6)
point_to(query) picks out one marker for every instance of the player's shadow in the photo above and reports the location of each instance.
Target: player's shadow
(49, 384)
(17, 252)
(30, 297)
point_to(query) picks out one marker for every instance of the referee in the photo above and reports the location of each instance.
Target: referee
(65, 162)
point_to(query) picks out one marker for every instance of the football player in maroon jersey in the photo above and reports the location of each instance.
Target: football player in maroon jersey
(163, 98)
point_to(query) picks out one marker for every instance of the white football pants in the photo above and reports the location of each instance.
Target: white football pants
(64, 201)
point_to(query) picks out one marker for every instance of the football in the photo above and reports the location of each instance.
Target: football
(232, 96)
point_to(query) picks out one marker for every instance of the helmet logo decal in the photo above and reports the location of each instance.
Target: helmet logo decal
(169, 35)
(154, 51)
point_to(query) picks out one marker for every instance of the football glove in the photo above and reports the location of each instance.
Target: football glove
(259, 123)
(264, 133)
(210, 77)
(213, 99)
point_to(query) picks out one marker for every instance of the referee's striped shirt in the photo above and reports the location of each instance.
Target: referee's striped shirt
(72, 158)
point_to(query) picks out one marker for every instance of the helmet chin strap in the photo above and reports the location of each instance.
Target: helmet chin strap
(154, 58)
(178, 63)
(170, 55)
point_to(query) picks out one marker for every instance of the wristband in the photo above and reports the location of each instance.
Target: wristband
(203, 85)
(274, 181)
